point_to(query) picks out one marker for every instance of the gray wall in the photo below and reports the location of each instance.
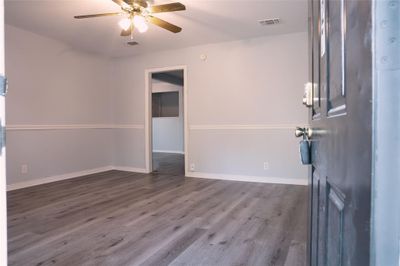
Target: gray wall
(243, 104)
(53, 87)
(69, 111)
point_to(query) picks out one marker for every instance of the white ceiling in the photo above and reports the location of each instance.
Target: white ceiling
(204, 21)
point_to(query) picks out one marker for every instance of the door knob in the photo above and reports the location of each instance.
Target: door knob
(305, 144)
(303, 132)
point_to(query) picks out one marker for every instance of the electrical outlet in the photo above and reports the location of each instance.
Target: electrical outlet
(192, 167)
(266, 166)
(24, 169)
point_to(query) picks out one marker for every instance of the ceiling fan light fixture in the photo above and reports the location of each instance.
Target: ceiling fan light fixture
(138, 13)
(125, 23)
(140, 23)
(125, 6)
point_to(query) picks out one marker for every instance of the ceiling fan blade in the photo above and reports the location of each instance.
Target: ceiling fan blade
(97, 15)
(126, 32)
(167, 8)
(141, 3)
(118, 2)
(163, 24)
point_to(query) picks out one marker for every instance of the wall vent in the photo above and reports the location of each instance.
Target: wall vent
(267, 22)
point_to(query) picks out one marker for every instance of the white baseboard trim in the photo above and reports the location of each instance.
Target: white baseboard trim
(130, 169)
(244, 178)
(166, 151)
(50, 179)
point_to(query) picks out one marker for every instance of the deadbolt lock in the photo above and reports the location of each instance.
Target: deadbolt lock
(308, 94)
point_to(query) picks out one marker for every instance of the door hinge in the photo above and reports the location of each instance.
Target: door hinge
(3, 85)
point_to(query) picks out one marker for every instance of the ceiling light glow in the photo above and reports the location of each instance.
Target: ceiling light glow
(125, 23)
(140, 23)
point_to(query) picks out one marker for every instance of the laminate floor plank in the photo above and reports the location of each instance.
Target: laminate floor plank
(169, 163)
(122, 218)
(88, 215)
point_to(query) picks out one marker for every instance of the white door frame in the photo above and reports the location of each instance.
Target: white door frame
(148, 115)
(3, 197)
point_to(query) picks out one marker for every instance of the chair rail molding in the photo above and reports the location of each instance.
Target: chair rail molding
(246, 127)
(22, 127)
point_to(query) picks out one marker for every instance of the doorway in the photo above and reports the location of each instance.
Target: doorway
(166, 121)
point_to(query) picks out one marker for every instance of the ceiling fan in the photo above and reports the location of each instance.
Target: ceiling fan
(137, 13)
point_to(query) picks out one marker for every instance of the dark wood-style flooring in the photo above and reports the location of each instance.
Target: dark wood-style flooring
(169, 163)
(122, 218)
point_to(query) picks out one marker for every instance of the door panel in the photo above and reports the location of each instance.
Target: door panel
(321, 213)
(341, 122)
(315, 215)
(336, 17)
(315, 57)
(335, 213)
